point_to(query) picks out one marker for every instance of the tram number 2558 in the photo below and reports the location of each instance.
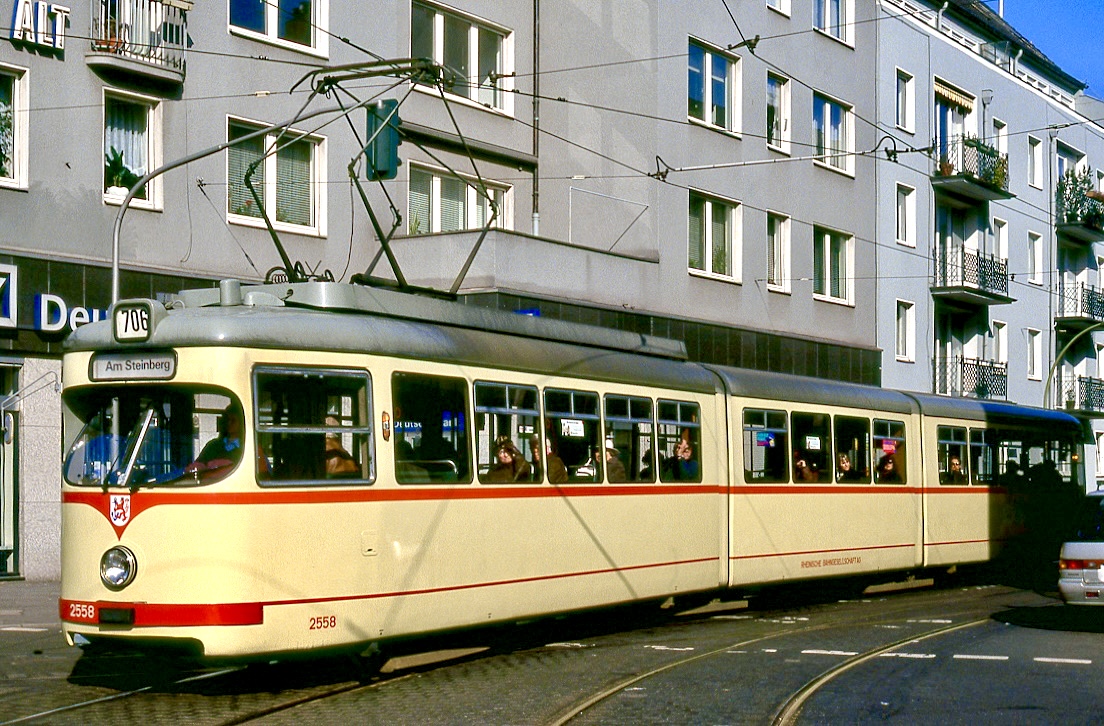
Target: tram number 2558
(323, 622)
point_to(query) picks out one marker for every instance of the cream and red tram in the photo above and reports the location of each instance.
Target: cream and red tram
(641, 475)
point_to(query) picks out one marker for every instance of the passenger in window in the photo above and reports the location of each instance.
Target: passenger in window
(510, 465)
(845, 471)
(339, 462)
(615, 470)
(803, 470)
(647, 466)
(954, 473)
(887, 469)
(557, 472)
(225, 449)
(682, 466)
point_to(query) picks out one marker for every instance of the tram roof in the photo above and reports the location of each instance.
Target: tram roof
(802, 389)
(346, 318)
(993, 412)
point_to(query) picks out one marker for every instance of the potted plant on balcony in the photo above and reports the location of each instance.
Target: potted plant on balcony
(1073, 196)
(946, 166)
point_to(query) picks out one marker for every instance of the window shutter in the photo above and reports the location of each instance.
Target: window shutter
(421, 189)
(720, 238)
(239, 157)
(453, 193)
(294, 198)
(696, 233)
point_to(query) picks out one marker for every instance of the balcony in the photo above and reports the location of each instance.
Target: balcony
(970, 377)
(1080, 208)
(1079, 306)
(141, 37)
(968, 168)
(1080, 394)
(970, 277)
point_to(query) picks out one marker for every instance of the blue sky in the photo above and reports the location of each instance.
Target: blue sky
(1069, 32)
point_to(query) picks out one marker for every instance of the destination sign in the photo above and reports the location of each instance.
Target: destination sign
(133, 366)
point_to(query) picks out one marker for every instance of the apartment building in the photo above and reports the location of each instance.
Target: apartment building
(727, 174)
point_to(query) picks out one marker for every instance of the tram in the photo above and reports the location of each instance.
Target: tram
(252, 471)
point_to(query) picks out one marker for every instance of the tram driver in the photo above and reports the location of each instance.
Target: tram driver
(224, 450)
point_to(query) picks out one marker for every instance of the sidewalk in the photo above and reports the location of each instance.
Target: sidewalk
(29, 603)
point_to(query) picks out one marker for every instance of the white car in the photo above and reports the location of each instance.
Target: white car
(1081, 563)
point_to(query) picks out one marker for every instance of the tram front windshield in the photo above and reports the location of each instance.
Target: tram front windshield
(134, 436)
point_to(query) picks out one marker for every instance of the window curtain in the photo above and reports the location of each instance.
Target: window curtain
(7, 126)
(720, 239)
(294, 183)
(239, 157)
(126, 132)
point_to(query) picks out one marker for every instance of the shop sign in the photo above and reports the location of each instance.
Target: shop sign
(53, 314)
(39, 23)
(9, 290)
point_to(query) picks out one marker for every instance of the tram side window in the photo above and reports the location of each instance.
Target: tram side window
(630, 439)
(812, 446)
(679, 430)
(852, 449)
(431, 432)
(983, 455)
(574, 428)
(313, 425)
(766, 447)
(953, 462)
(889, 448)
(507, 424)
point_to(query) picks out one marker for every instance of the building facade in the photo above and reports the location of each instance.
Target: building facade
(864, 190)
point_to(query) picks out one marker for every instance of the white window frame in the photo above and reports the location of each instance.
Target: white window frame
(1035, 162)
(318, 180)
(905, 332)
(844, 32)
(472, 198)
(779, 6)
(1000, 238)
(320, 23)
(733, 227)
(1000, 136)
(784, 124)
(906, 215)
(733, 95)
(1000, 340)
(1035, 258)
(842, 161)
(19, 163)
(154, 148)
(505, 97)
(778, 249)
(1034, 354)
(822, 247)
(905, 101)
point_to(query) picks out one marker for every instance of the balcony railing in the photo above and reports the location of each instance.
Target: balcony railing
(147, 31)
(1080, 301)
(1080, 393)
(960, 267)
(1080, 208)
(973, 160)
(961, 376)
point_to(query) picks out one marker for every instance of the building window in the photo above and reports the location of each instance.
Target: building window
(444, 203)
(906, 215)
(832, 265)
(1000, 238)
(1035, 162)
(782, 6)
(778, 252)
(712, 244)
(834, 18)
(1000, 136)
(288, 174)
(13, 128)
(476, 51)
(1034, 354)
(906, 331)
(131, 147)
(906, 101)
(712, 87)
(1000, 341)
(833, 129)
(1034, 258)
(778, 113)
(297, 22)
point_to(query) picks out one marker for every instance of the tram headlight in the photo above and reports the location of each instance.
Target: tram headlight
(118, 567)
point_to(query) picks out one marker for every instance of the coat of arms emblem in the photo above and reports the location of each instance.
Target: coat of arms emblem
(120, 509)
